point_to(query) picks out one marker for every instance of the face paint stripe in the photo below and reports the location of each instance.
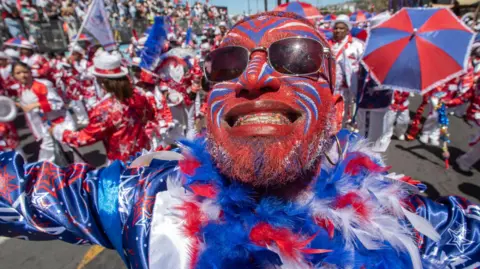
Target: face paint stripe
(218, 92)
(214, 107)
(309, 102)
(308, 115)
(263, 70)
(310, 89)
(292, 24)
(219, 115)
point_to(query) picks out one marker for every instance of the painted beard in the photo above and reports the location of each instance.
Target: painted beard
(271, 161)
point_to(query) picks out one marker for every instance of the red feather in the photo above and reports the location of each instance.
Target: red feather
(327, 225)
(354, 200)
(188, 165)
(204, 190)
(354, 166)
(194, 220)
(289, 244)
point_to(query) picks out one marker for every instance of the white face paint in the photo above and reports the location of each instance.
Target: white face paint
(176, 73)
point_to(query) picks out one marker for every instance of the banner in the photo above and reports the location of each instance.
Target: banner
(96, 23)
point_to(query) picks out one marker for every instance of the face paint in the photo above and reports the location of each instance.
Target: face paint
(266, 128)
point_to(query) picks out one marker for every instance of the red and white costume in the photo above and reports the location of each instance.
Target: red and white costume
(8, 136)
(51, 112)
(398, 116)
(455, 87)
(119, 124)
(348, 53)
(40, 66)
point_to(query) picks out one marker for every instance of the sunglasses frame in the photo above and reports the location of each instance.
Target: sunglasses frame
(326, 52)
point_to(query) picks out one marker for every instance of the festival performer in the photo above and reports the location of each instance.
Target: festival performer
(398, 115)
(118, 118)
(43, 108)
(275, 184)
(40, 65)
(6, 79)
(457, 86)
(347, 52)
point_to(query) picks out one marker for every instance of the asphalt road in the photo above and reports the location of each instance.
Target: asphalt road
(422, 162)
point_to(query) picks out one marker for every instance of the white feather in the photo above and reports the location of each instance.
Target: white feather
(422, 225)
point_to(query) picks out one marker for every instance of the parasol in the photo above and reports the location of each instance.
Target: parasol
(418, 49)
(303, 9)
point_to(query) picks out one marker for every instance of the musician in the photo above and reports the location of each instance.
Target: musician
(43, 107)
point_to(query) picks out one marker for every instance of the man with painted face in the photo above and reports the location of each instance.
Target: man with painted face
(274, 184)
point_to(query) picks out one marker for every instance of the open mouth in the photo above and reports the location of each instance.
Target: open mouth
(261, 113)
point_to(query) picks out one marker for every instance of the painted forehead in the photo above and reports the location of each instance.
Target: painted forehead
(264, 30)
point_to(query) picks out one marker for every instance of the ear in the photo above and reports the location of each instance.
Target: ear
(339, 110)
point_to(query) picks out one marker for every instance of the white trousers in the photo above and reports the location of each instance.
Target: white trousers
(473, 155)
(373, 126)
(402, 119)
(46, 149)
(431, 128)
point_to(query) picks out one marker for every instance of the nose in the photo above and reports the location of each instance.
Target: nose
(257, 78)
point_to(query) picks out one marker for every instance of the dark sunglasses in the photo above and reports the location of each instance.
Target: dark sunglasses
(295, 56)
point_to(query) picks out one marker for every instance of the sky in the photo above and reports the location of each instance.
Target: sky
(239, 6)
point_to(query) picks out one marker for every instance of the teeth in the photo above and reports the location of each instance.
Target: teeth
(262, 118)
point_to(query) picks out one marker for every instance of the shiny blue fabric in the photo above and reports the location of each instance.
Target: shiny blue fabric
(41, 201)
(108, 185)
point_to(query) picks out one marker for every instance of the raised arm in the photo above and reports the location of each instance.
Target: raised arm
(42, 201)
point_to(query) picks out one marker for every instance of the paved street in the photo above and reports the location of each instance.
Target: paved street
(419, 161)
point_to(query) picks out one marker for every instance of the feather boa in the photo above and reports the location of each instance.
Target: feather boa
(352, 216)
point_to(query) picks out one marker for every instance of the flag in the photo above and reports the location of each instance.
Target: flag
(96, 22)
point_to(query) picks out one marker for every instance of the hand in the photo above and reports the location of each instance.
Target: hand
(30, 107)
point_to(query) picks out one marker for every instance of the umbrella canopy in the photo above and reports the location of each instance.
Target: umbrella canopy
(303, 9)
(327, 33)
(359, 33)
(418, 49)
(18, 42)
(360, 16)
(329, 17)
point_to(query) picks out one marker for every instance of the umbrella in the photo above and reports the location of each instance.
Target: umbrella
(329, 17)
(327, 33)
(418, 49)
(18, 42)
(303, 9)
(359, 33)
(360, 16)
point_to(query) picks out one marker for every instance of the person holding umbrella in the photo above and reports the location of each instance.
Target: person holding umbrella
(347, 52)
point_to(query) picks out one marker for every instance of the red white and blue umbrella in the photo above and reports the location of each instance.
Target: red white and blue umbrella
(418, 49)
(82, 37)
(329, 17)
(18, 42)
(359, 33)
(303, 9)
(360, 16)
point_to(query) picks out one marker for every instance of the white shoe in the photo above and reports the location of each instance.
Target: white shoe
(401, 137)
(435, 143)
(461, 166)
(423, 139)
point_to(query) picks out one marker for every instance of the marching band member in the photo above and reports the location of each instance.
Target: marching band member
(43, 107)
(39, 65)
(118, 119)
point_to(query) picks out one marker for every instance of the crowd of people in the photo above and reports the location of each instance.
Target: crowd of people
(274, 171)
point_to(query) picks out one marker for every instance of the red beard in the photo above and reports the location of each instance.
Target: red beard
(270, 161)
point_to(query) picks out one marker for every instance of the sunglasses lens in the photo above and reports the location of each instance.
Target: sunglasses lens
(296, 56)
(226, 63)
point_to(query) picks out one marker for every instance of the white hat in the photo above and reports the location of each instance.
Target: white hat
(13, 54)
(108, 65)
(343, 19)
(222, 23)
(4, 56)
(78, 49)
(205, 46)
